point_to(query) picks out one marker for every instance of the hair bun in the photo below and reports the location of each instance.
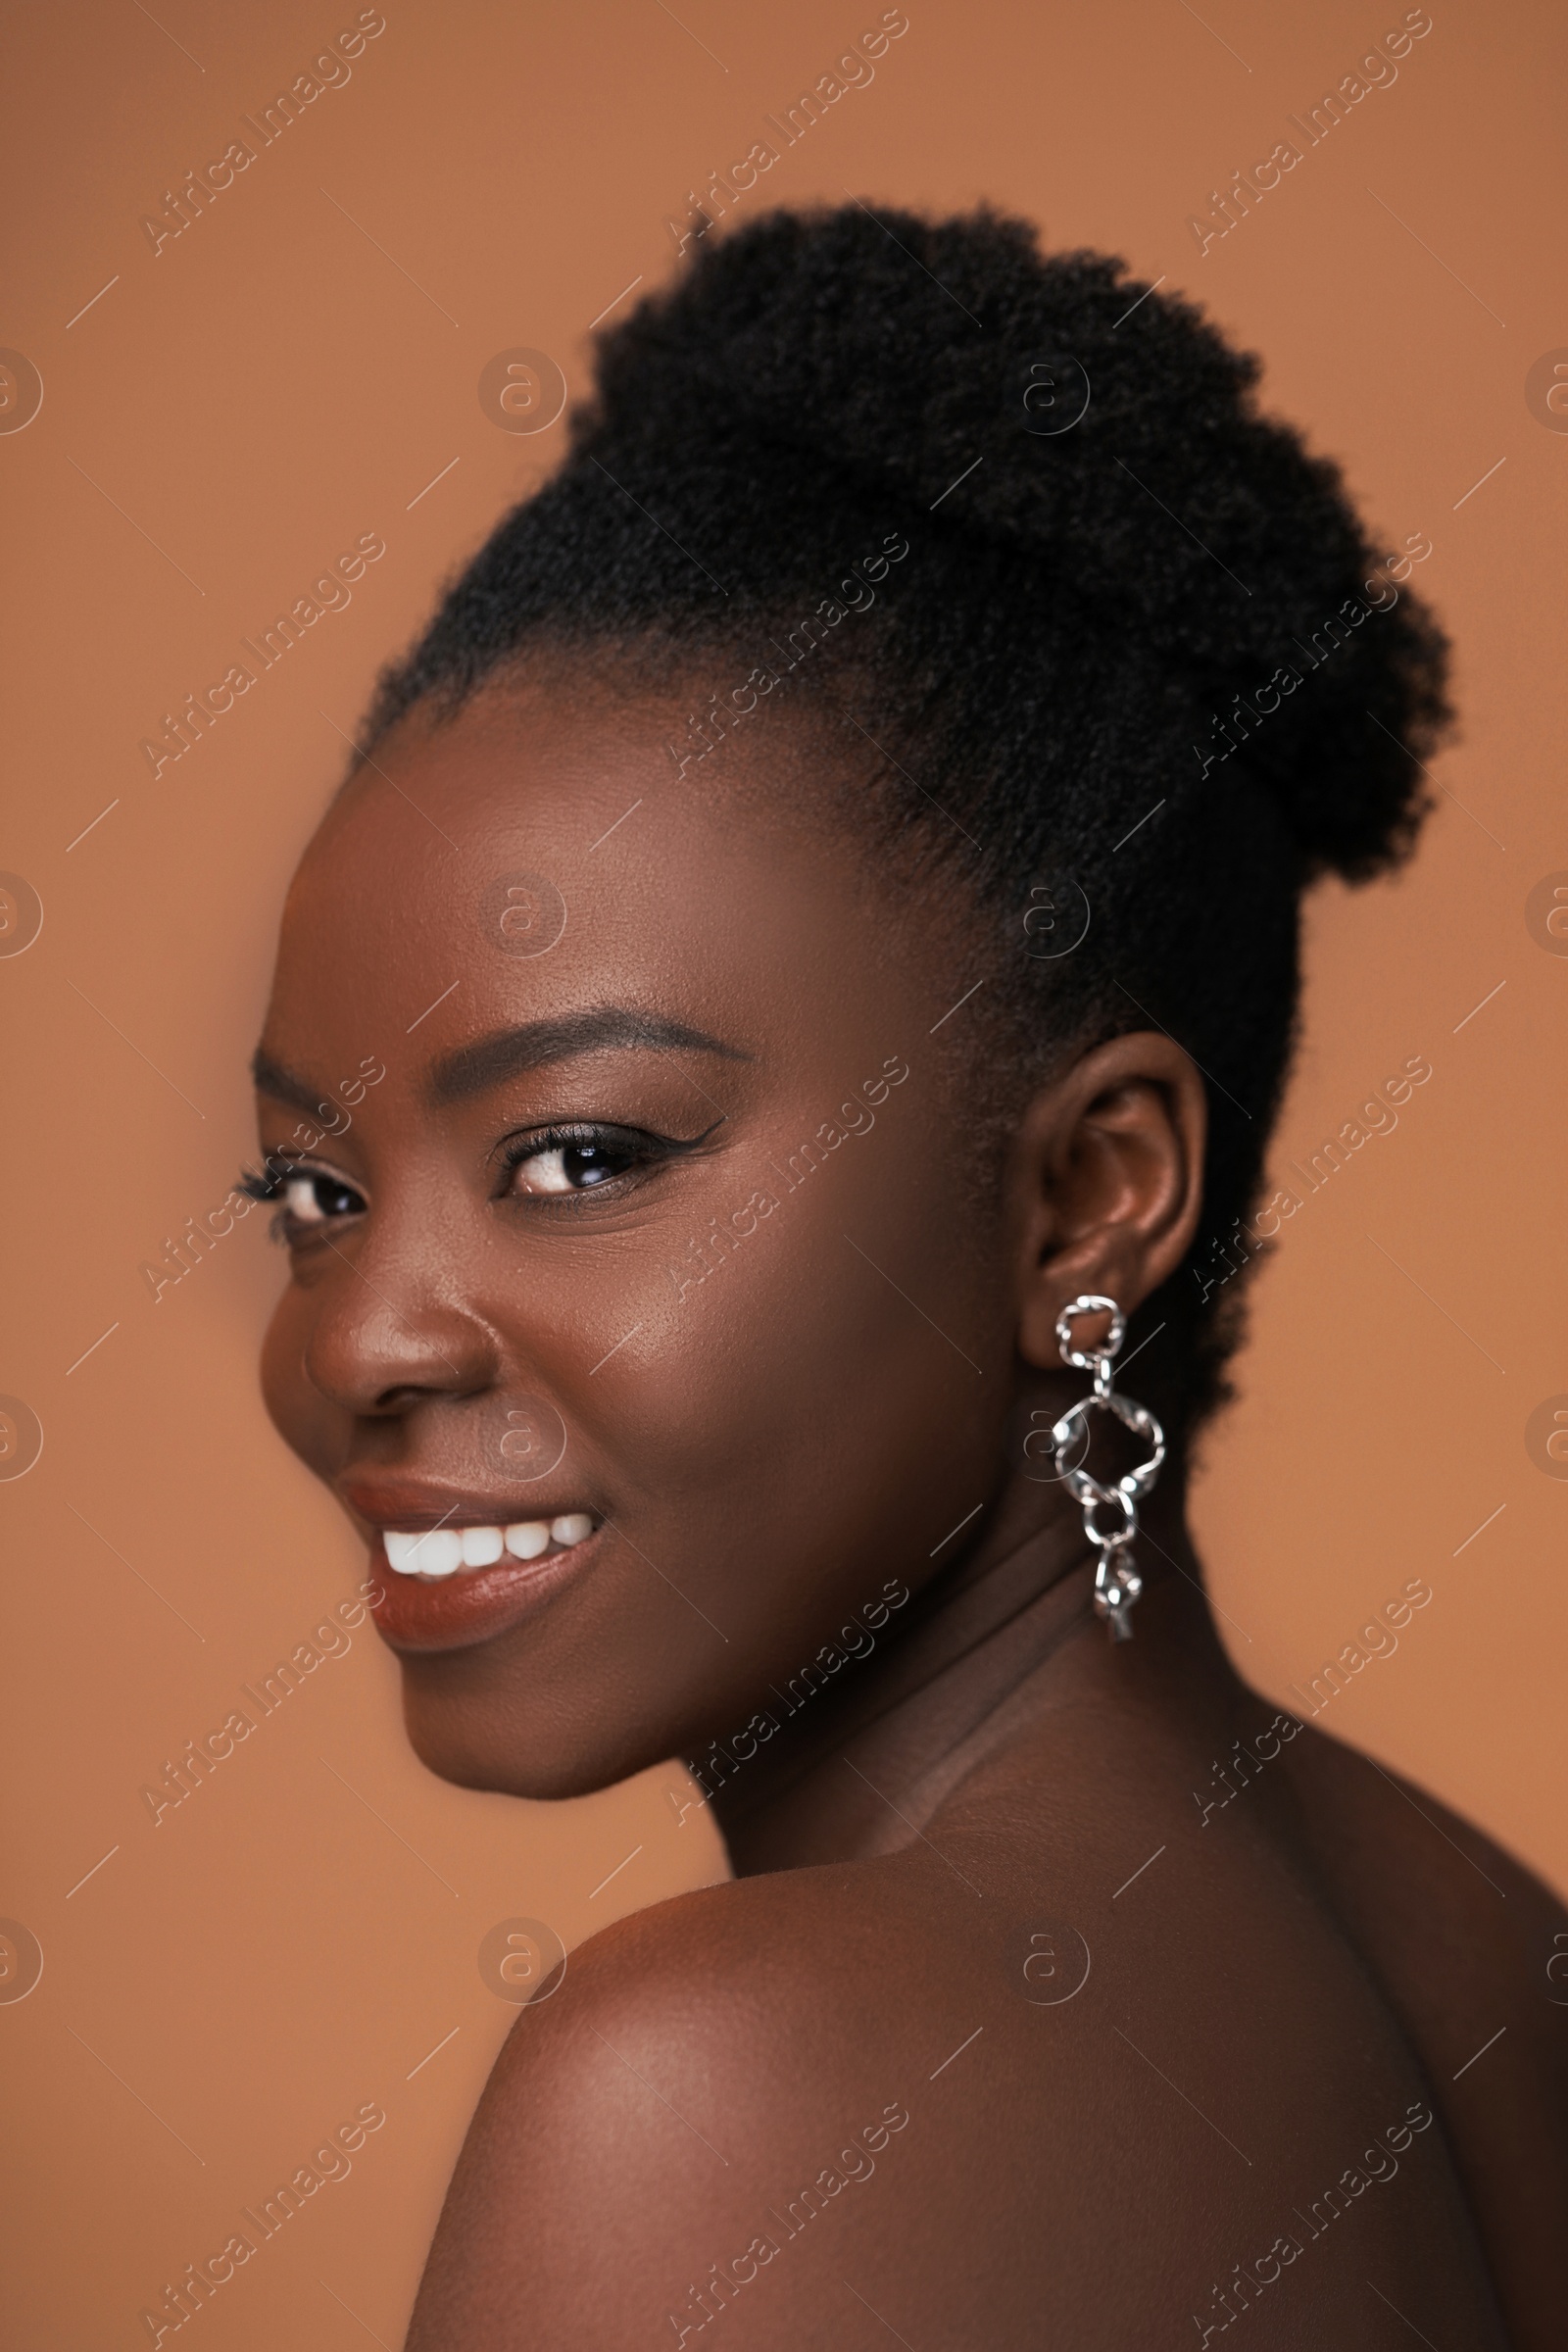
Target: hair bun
(911, 354)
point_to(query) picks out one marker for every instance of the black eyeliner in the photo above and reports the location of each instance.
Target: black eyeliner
(579, 1132)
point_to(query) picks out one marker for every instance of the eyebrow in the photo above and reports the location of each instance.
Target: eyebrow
(269, 1077)
(597, 1029)
(510, 1051)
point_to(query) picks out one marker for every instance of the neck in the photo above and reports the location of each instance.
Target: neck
(856, 1770)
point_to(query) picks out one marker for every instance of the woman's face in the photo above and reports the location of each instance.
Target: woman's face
(662, 1222)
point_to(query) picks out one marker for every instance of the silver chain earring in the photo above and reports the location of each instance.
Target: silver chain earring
(1117, 1583)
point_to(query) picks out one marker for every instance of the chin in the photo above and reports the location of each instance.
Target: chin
(476, 1741)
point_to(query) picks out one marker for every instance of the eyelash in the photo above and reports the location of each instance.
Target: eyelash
(639, 1146)
(270, 1182)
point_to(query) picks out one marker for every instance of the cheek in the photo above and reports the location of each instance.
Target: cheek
(302, 1416)
(797, 1387)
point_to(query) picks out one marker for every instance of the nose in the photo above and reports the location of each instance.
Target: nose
(378, 1351)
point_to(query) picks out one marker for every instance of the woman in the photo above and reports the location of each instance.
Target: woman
(824, 892)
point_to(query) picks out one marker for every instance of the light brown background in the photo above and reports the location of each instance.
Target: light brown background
(225, 418)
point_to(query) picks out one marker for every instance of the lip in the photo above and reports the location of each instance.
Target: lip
(476, 1606)
(418, 1503)
(480, 1603)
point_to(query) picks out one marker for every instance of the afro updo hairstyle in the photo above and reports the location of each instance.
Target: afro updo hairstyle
(1144, 667)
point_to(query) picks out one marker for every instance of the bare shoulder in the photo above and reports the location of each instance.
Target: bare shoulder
(1470, 1949)
(914, 2093)
(711, 2106)
(1461, 1933)
(1375, 1816)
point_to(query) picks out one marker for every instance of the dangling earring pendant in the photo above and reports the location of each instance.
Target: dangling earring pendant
(1117, 1583)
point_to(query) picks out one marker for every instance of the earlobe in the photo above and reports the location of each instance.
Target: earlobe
(1107, 1181)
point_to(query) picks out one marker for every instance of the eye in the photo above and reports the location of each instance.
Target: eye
(310, 1198)
(578, 1159)
(307, 1199)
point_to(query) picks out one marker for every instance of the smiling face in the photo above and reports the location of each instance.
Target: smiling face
(646, 1312)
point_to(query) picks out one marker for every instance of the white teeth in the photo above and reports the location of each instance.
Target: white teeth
(440, 1552)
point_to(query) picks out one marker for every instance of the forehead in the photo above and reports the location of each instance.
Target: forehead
(540, 852)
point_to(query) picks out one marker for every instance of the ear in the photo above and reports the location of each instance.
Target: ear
(1105, 1180)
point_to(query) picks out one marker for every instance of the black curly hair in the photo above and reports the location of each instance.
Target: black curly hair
(1151, 653)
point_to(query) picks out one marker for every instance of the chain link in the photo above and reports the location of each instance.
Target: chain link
(1117, 1583)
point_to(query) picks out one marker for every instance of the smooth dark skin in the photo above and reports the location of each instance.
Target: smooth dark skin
(1264, 1999)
